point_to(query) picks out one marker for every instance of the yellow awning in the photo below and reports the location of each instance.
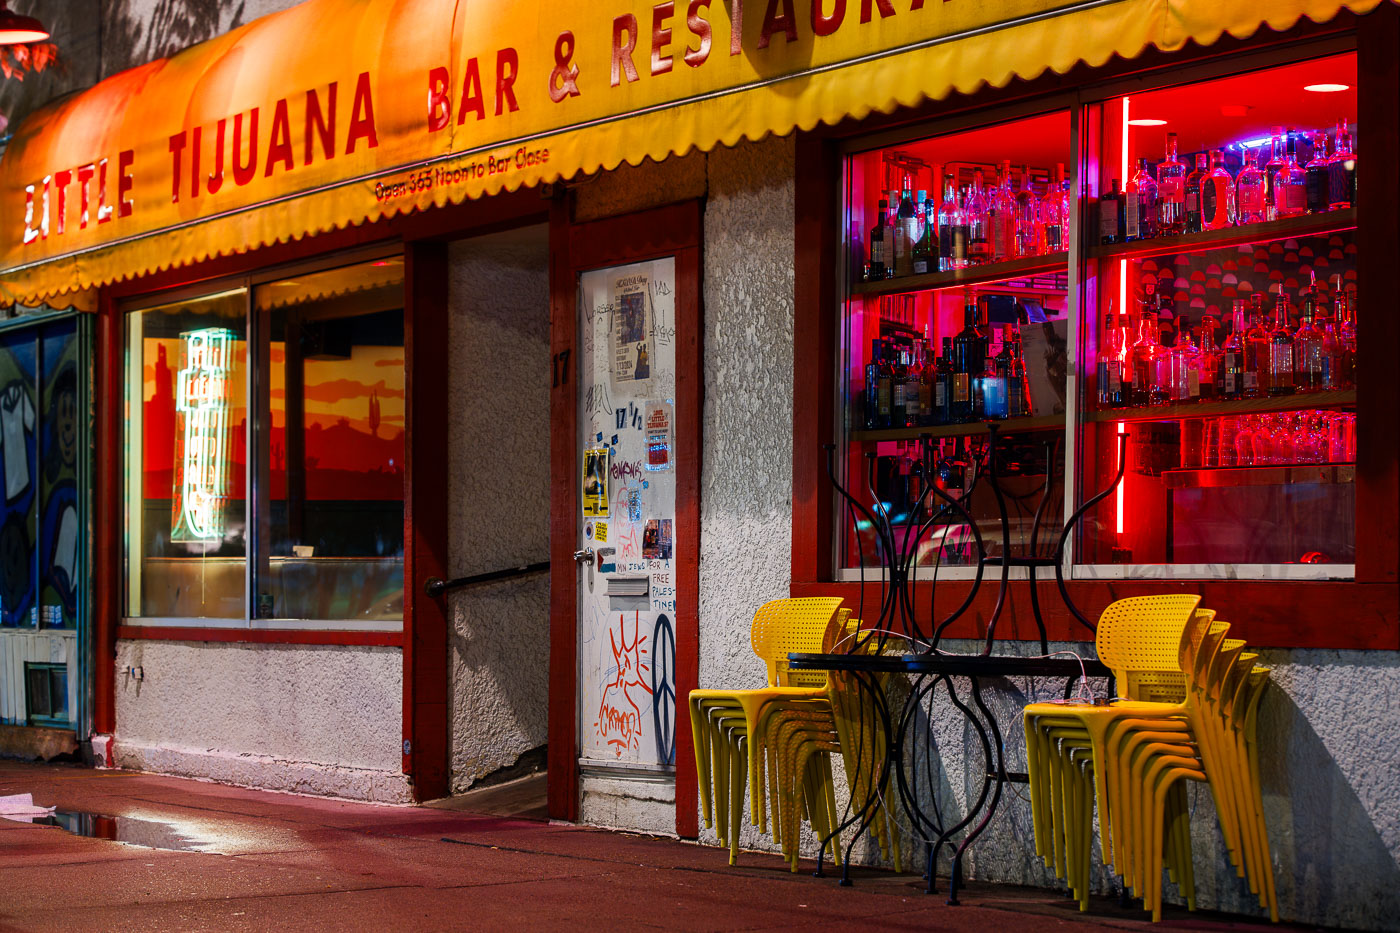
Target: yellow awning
(335, 113)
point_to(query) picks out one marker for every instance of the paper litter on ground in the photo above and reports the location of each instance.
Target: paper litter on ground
(21, 808)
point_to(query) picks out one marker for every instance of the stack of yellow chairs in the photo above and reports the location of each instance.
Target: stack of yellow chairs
(1188, 710)
(778, 738)
(724, 722)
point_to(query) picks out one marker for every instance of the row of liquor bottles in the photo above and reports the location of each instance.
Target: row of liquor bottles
(1175, 200)
(907, 386)
(1260, 357)
(970, 225)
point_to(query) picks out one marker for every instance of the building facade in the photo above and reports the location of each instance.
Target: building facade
(379, 346)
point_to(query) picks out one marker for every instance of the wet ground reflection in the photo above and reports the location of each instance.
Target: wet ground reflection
(152, 834)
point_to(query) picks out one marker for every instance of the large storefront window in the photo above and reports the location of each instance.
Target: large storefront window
(956, 321)
(1220, 327)
(265, 452)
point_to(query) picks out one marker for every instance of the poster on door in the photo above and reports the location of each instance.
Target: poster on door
(627, 594)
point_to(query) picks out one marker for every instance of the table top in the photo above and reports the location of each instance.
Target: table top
(970, 665)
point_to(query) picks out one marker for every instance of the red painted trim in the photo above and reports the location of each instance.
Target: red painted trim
(107, 521)
(425, 657)
(1266, 613)
(563, 797)
(815, 242)
(1378, 239)
(674, 230)
(260, 636)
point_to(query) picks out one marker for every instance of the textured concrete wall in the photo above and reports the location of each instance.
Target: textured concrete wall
(309, 719)
(498, 437)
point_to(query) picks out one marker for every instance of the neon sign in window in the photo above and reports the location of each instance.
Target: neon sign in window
(201, 457)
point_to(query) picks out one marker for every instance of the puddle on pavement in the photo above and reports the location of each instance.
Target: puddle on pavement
(152, 834)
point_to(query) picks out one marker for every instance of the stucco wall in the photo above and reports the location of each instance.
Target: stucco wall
(309, 719)
(498, 436)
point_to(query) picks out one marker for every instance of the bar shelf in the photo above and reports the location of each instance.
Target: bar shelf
(1283, 228)
(1267, 475)
(1024, 268)
(1004, 427)
(1247, 406)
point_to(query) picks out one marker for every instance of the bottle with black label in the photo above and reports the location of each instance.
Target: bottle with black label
(969, 363)
(877, 388)
(879, 235)
(1111, 215)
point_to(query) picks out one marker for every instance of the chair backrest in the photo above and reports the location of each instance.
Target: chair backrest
(1143, 633)
(784, 625)
(1192, 638)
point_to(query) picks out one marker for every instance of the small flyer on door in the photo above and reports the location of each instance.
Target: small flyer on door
(656, 539)
(595, 482)
(631, 364)
(658, 437)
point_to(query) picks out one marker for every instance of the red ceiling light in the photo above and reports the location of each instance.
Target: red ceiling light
(1326, 88)
(18, 29)
(1147, 121)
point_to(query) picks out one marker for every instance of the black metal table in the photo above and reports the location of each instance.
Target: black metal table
(928, 671)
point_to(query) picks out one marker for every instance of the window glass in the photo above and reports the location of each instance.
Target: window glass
(19, 465)
(956, 318)
(1221, 324)
(61, 449)
(187, 426)
(333, 547)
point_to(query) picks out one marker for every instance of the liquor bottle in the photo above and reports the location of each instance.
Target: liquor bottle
(1318, 176)
(969, 361)
(1140, 205)
(906, 234)
(877, 388)
(979, 247)
(1343, 166)
(1276, 162)
(1233, 379)
(1281, 351)
(1001, 216)
(1171, 193)
(1018, 389)
(1030, 228)
(1110, 365)
(1210, 357)
(919, 392)
(899, 385)
(952, 228)
(1194, 181)
(1249, 190)
(1053, 212)
(943, 385)
(1218, 207)
(1111, 216)
(928, 374)
(1311, 361)
(925, 251)
(1185, 382)
(1292, 182)
(878, 235)
(1344, 372)
(1256, 350)
(995, 383)
(1146, 357)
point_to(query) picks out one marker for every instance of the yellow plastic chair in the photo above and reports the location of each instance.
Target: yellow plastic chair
(722, 721)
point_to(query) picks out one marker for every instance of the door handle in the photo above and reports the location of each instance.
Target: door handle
(585, 556)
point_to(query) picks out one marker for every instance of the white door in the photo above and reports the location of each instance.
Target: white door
(627, 583)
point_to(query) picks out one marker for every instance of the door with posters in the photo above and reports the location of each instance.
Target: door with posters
(627, 546)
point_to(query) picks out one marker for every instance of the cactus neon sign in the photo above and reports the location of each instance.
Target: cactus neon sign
(202, 400)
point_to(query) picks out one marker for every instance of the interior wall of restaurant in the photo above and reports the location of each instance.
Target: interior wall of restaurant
(307, 719)
(498, 508)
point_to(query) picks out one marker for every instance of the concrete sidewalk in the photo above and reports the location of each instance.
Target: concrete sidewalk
(278, 861)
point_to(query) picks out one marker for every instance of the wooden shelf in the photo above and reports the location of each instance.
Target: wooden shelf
(1305, 225)
(1246, 406)
(1327, 474)
(991, 272)
(1008, 426)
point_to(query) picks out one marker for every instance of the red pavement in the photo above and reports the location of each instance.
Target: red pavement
(286, 862)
